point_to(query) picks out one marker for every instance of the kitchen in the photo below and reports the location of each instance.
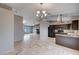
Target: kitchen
(66, 33)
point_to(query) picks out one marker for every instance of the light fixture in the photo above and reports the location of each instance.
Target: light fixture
(59, 18)
(38, 12)
(37, 15)
(41, 13)
(45, 14)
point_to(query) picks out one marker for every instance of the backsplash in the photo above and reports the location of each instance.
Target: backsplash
(70, 31)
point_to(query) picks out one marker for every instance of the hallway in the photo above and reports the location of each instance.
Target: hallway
(32, 45)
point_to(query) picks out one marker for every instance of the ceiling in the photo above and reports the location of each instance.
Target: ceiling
(28, 10)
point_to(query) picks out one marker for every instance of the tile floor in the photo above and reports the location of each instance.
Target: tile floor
(32, 45)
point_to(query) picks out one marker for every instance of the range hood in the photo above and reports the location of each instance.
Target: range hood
(59, 18)
(60, 21)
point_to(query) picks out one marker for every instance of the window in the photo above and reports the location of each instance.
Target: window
(28, 29)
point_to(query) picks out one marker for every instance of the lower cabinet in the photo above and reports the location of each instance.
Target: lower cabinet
(75, 25)
(71, 42)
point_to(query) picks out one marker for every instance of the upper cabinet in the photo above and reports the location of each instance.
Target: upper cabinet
(75, 25)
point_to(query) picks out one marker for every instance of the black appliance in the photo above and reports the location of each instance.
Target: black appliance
(37, 31)
(51, 31)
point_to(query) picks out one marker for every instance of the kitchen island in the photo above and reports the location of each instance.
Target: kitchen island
(71, 41)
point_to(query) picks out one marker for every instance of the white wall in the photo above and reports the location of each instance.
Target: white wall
(6, 31)
(44, 30)
(18, 28)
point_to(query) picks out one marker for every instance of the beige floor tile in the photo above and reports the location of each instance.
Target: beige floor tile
(32, 45)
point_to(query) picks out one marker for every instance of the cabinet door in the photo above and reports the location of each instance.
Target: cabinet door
(75, 25)
(70, 42)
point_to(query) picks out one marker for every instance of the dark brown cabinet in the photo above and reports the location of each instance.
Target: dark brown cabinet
(63, 26)
(71, 42)
(75, 25)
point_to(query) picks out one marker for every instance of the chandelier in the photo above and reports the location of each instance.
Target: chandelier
(41, 13)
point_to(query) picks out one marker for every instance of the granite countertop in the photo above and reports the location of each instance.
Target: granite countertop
(67, 35)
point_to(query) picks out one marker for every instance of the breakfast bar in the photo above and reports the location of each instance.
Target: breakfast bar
(70, 41)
